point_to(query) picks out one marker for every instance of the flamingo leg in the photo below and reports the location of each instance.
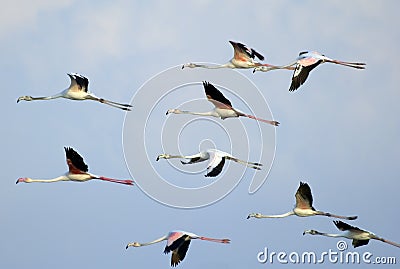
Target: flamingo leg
(225, 241)
(126, 182)
(114, 104)
(349, 64)
(272, 122)
(336, 216)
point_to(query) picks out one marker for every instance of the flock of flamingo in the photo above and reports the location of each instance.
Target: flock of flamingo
(244, 58)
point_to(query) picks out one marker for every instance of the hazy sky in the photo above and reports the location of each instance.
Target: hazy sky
(339, 132)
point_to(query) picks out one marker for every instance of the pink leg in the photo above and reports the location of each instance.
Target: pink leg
(225, 241)
(275, 123)
(288, 67)
(126, 182)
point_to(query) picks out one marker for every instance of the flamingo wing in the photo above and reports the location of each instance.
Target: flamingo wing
(178, 243)
(346, 227)
(301, 73)
(215, 165)
(241, 49)
(215, 96)
(358, 243)
(78, 82)
(180, 253)
(75, 162)
(304, 197)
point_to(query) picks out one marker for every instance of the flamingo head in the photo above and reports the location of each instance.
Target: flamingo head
(24, 179)
(175, 111)
(262, 68)
(25, 98)
(313, 232)
(254, 215)
(134, 244)
(163, 156)
(190, 65)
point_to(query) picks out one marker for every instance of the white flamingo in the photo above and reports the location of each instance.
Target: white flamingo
(360, 237)
(216, 160)
(303, 208)
(77, 90)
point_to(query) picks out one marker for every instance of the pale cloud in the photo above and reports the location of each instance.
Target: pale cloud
(19, 14)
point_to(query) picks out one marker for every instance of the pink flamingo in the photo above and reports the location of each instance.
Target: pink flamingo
(178, 242)
(223, 107)
(243, 57)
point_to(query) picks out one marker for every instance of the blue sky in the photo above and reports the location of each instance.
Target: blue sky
(339, 132)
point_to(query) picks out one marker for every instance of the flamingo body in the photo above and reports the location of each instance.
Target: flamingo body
(78, 171)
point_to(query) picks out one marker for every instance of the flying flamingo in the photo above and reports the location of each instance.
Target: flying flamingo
(303, 207)
(78, 171)
(360, 237)
(77, 90)
(178, 242)
(216, 160)
(306, 62)
(223, 107)
(243, 58)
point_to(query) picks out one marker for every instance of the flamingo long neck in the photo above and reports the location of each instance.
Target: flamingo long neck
(154, 242)
(226, 65)
(277, 216)
(209, 113)
(269, 67)
(175, 157)
(59, 95)
(60, 178)
(330, 235)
